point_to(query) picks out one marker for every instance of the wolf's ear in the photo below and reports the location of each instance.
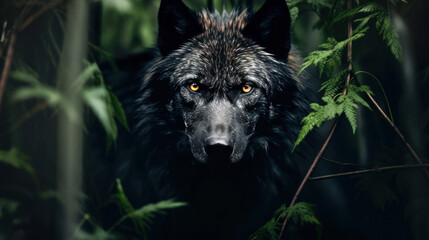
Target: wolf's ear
(176, 24)
(270, 28)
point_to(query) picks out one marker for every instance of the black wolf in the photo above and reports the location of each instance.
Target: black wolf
(213, 113)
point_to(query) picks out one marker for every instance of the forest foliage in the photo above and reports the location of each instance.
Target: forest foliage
(127, 27)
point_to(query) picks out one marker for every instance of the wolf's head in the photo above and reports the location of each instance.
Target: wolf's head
(224, 80)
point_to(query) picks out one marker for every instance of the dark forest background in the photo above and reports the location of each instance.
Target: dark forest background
(44, 146)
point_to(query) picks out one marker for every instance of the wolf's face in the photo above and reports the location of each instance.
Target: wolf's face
(222, 74)
(220, 95)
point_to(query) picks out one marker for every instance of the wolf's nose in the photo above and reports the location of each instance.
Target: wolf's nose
(218, 148)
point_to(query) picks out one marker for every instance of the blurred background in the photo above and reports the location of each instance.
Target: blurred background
(51, 90)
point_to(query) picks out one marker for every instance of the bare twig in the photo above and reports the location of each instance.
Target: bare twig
(344, 163)
(358, 172)
(328, 139)
(19, 27)
(349, 49)
(410, 149)
(37, 14)
(7, 64)
(310, 170)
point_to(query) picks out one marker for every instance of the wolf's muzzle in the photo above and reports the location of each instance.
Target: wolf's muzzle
(218, 149)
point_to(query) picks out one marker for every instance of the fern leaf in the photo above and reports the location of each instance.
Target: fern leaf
(319, 115)
(353, 94)
(125, 208)
(361, 88)
(334, 84)
(267, 231)
(142, 217)
(309, 122)
(349, 108)
(390, 36)
(147, 212)
(370, 7)
(302, 213)
(330, 55)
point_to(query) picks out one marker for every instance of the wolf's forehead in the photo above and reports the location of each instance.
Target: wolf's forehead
(232, 22)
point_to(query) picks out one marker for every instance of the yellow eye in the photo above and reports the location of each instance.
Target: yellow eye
(194, 87)
(246, 88)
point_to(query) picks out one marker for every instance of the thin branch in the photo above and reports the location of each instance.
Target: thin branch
(310, 170)
(12, 40)
(37, 14)
(349, 49)
(328, 139)
(410, 149)
(7, 64)
(344, 163)
(359, 172)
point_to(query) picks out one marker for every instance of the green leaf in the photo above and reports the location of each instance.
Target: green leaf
(328, 58)
(17, 160)
(294, 12)
(302, 213)
(319, 115)
(97, 100)
(390, 36)
(85, 76)
(349, 108)
(382, 89)
(101, 101)
(147, 212)
(121, 6)
(25, 76)
(347, 104)
(142, 217)
(333, 85)
(370, 7)
(97, 234)
(125, 208)
(267, 231)
(118, 110)
(50, 95)
(383, 24)
(354, 90)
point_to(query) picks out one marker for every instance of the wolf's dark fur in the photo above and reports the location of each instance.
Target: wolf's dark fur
(171, 152)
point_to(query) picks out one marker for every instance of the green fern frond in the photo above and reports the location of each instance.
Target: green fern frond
(390, 36)
(365, 8)
(382, 89)
(330, 55)
(268, 231)
(347, 104)
(357, 98)
(319, 115)
(147, 212)
(142, 217)
(302, 213)
(370, 7)
(125, 208)
(361, 88)
(349, 107)
(334, 84)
